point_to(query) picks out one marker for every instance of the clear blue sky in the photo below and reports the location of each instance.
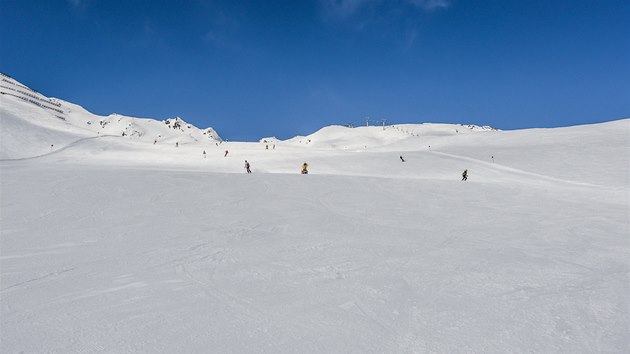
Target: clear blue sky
(252, 69)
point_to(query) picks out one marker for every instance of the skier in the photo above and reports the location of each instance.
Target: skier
(247, 167)
(204, 154)
(305, 168)
(154, 141)
(401, 158)
(465, 175)
(226, 152)
(177, 144)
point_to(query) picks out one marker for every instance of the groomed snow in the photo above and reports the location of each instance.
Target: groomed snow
(117, 244)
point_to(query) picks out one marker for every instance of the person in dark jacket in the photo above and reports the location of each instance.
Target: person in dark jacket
(247, 167)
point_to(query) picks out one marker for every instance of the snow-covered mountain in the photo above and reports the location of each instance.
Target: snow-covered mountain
(112, 243)
(32, 122)
(56, 130)
(60, 123)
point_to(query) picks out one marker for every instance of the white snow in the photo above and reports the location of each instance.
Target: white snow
(117, 244)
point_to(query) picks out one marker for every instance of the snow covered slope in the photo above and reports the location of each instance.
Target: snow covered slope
(60, 123)
(360, 138)
(117, 244)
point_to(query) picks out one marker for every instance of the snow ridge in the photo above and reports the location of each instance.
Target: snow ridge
(23, 107)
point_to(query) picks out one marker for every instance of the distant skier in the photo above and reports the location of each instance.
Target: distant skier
(247, 167)
(305, 168)
(226, 152)
(401, 158)
(465, 175)
(492, 157)
(204, 154)
(154, 141)
(177, 144)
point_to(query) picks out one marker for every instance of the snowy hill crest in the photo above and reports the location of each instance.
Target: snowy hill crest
(29, 118)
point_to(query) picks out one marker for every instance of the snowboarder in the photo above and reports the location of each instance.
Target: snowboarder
(226, 152)
(465, 175)
(305, 168)
(247, 167)
(401, 158)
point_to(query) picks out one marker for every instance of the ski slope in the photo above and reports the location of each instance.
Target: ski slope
(117, 244)
(33, 124)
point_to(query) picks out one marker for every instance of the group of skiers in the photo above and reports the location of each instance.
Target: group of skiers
(248, 166)
(305, 167)
(304, 170)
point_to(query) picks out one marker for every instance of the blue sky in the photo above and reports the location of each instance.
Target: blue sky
(252, 69)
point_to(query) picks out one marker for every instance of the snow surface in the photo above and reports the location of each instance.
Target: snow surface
(117, 244)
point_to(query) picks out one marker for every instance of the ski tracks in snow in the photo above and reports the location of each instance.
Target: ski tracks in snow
(36, 279)
(63, 148)
(515, 171)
